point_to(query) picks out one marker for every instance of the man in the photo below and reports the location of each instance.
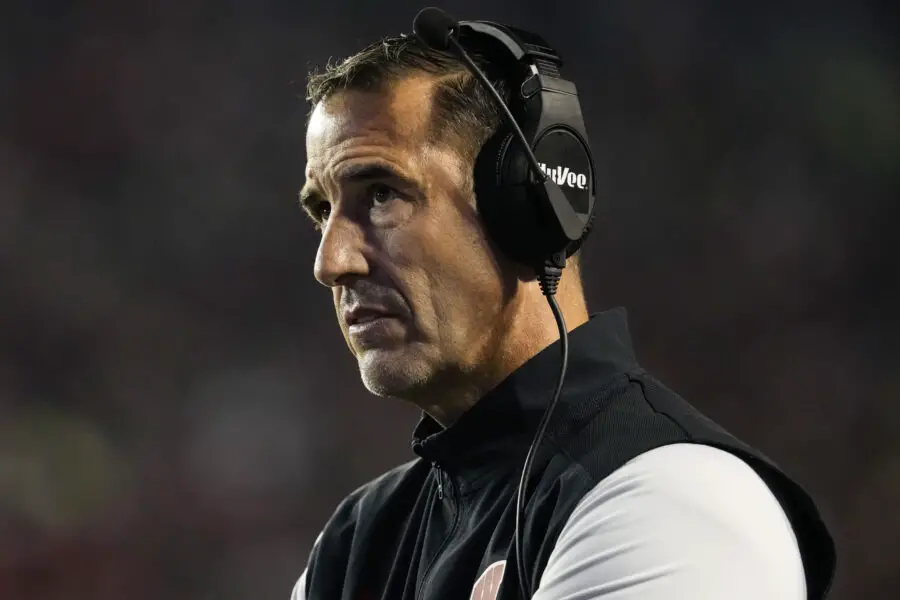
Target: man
(634, 495)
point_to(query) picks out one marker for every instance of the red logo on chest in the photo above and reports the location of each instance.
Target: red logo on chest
(488, 585)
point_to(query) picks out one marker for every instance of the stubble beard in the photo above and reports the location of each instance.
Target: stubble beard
(393, 374)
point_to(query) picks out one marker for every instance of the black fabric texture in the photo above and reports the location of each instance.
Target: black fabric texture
(427, 529)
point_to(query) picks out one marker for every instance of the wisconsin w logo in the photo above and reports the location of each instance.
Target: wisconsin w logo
(488, 585)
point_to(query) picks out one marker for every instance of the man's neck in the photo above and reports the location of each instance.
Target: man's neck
(531, 330)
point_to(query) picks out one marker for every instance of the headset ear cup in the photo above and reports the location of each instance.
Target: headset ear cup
(490, 194)
(504, 192)
(506, 202)
(576, 245)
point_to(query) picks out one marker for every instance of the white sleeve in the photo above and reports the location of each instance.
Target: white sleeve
(299, 592)
(681, 521)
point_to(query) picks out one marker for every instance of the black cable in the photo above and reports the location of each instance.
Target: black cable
(538, 173)
(438, 30)
(549, 281)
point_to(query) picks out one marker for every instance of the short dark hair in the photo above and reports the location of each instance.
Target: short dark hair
(461, 109)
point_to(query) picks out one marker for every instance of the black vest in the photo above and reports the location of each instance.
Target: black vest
(427, 529)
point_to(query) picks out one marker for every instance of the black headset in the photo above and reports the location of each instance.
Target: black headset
(543, 140)
(534, 178)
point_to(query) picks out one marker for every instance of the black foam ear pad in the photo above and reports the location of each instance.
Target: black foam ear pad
(495, 201)
(508, 203)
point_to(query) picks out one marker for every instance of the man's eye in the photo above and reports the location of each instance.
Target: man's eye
(381, 193)
(320, 211)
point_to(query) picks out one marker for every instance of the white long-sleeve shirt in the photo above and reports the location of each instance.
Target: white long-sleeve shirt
(682, 522)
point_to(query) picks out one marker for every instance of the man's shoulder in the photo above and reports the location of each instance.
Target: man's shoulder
(358, 515)
(629, 415)
(694, 478)
(639, 422)
(387, 482)
(372, 496)
(679, 516)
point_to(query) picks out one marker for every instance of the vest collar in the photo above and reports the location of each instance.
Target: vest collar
(503, 422)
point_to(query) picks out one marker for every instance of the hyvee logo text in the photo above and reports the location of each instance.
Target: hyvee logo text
(563, 176)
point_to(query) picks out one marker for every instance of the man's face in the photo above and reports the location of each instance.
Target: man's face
(419, 292)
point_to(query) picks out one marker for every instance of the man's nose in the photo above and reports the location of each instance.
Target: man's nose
(341, 252)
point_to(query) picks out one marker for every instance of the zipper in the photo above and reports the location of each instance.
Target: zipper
(440, 480)
(457, 514)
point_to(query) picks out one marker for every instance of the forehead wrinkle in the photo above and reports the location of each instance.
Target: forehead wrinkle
(341, 158)
(395, 119)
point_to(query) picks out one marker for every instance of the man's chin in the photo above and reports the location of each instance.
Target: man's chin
(391, 372)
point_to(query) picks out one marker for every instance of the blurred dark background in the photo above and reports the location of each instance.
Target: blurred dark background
(178, 413)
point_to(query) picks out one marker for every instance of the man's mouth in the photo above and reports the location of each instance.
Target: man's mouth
(361, 316)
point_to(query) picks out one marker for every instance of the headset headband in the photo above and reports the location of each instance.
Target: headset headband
(523, 46)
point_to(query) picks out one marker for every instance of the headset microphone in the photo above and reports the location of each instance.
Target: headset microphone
(548, 220)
